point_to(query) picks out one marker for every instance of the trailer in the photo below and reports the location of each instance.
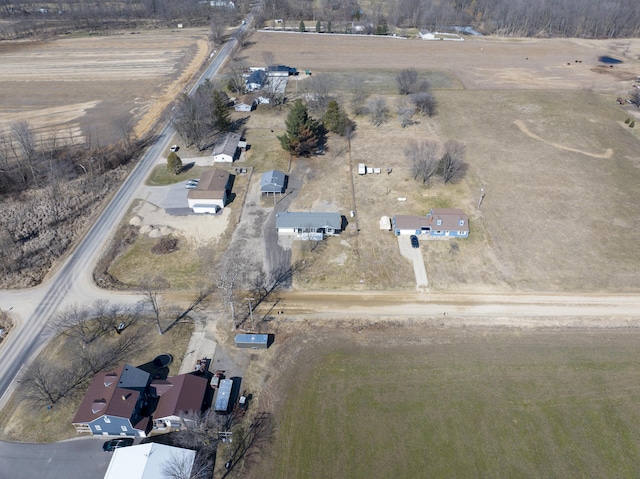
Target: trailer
(362, 169)
(223, 396)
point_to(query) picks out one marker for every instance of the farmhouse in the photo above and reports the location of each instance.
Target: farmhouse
(226, 149)
(177, 395)
(114, 404)
(149, 461)
(309, 225)
(212, 192)
(256, 80)
(440, 222)
(273, 181)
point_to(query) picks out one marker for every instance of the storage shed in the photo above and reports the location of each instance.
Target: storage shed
(253, 341)
(273, 181)
(224, 394)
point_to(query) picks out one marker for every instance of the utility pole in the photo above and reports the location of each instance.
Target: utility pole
(251, 309)
(482, 193)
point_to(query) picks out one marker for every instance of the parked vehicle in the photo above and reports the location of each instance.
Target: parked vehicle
(114, 444)
(414, 242)
(174, 148)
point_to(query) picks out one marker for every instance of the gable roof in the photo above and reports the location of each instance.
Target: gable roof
(258, 77)
(106, 396)
(410, 222)
(308, 219)
(450, 219)
(212, 185)
(272, 181)
(186, 394)
(227, 145)
(146, 461)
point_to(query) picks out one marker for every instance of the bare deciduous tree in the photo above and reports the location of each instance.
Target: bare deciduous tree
(318, 92)
(26, 142)
(424, 102)
(378, 111)
(405, 115)
(452, 164)
(150, 290)
(424, 159)
(268, 58)
(235, 77)
(358, 92)
(47, 383)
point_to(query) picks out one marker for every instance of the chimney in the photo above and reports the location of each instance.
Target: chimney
(126, 396)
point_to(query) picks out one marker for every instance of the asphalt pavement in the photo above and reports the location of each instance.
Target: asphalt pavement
(75, 459)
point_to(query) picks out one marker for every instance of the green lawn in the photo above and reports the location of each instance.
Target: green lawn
(502, 405)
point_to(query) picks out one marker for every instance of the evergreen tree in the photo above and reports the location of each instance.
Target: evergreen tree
(221, 112)
(318, 27)
(302, 28)
(329, 26)
(336, 120)
(174, 163)
(303, 132)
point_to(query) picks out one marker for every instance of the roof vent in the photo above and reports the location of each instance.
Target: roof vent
(126, 396)
(98, 405)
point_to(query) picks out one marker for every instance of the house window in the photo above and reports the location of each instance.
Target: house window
(438, 222)
(461, 222)
(124, 428)
(462, 233)
(98, 428)
(107, 420)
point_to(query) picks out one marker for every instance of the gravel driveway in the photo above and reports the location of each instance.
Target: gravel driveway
(416, 257)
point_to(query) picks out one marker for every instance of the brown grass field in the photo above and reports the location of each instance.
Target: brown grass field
(93, 85)
(543, 136)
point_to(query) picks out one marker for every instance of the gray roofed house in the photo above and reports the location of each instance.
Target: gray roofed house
(308, 225)
(273, 181)
(225, 150)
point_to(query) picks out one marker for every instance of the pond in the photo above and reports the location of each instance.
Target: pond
(609, 60)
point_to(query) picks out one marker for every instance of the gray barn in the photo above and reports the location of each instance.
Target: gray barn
(253, 341)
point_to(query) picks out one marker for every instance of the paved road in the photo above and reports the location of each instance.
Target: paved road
(77, 459)
(72, 283)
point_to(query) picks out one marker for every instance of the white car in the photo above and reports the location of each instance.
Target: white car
(174, 148)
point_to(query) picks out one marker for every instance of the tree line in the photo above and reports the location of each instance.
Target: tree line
(33, 18)
(565, 18)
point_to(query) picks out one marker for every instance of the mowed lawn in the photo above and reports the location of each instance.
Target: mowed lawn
(500, 405)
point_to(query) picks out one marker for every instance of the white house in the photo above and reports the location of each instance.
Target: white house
(212, 192)
(309, 225)
(225, 150)
(149, 461)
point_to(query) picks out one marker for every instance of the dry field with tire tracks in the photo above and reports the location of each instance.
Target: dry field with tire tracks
(93, 84)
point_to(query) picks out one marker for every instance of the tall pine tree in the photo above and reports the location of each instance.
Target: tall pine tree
(303, 133)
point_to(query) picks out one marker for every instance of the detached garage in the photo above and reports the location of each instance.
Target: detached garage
(252, 341)
(211, 194)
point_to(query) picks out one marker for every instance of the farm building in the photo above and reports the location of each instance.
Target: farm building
(245, 103)
(282, 69)
(252, 341)
(210, 196)
(273, 181)
(226, 149)
(309, 225)
(440, 222)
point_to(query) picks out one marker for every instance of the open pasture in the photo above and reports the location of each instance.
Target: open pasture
(422, 402)
(544, 137)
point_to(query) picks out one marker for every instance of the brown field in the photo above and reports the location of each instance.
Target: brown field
(92, 85)
(544, 137)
